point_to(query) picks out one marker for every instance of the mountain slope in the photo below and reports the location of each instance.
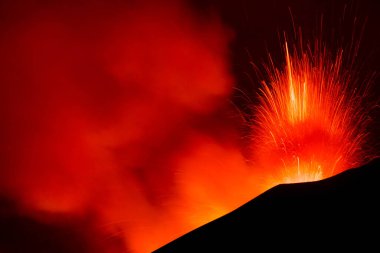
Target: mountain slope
(340, 212)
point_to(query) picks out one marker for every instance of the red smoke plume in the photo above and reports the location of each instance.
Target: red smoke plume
(115, 118)
(113, 109)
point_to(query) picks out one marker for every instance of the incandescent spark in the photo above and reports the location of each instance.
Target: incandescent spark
(309, 121)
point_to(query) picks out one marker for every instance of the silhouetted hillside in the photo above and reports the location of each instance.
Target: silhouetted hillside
(341, 212)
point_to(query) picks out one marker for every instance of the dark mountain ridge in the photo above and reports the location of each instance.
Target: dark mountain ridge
(341, 212)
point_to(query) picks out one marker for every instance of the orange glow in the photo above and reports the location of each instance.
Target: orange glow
(309, 124)
(98, 100)
(117, 112)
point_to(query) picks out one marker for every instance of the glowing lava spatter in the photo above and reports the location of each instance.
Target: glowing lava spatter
(309, 122)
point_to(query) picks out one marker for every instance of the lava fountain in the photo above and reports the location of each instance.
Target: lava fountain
(310, 123)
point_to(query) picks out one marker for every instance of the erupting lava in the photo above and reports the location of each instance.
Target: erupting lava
(115, 116)
(309, 122)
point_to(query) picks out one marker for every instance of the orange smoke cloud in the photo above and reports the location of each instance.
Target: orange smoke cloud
(116, 120)
(98, 101)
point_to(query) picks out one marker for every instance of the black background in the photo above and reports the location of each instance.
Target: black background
(258, 28)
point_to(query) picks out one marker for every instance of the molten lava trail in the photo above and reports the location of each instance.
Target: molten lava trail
(309, 122)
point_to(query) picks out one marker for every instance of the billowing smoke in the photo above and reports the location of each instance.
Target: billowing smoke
(118, 132)
(113, 110)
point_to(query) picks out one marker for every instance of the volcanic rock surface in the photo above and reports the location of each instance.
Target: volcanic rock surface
(341, 212)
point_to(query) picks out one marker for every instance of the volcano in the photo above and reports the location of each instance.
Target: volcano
(337, 212)
(127, 124)
(340, 212)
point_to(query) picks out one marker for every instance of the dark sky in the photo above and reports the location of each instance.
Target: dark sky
(259, 26)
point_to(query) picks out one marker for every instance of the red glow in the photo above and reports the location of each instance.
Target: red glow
(119, 112)
(310, 124)
(98, 101)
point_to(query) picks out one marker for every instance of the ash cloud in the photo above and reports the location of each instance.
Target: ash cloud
(100, 102)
